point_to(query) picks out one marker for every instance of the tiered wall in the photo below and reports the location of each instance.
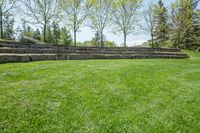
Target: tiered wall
(16, 52)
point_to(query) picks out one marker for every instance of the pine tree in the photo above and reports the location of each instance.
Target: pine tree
(37, 35)
(56, 33)
(8, 27)
(96, 40)
(49, 36)
(161, 24)
(27, 31)
(186, 23)
(195, 30)
(66, 38)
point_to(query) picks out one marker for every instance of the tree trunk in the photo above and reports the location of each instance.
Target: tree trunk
(124, 39)
(1, 24)
(102, 45)
(152, 40)
(74, 38)
(44, 33)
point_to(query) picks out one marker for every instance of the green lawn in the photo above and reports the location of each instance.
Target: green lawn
(101, 96)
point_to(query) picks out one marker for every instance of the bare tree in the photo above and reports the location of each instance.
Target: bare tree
(149, 21)
(5, 7)
(75, 12)
(41, 12)
(100, 16)
(125, 14)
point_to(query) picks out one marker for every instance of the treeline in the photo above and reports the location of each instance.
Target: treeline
(175, 26)
(54, 34)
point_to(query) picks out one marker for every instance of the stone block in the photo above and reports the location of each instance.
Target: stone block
(5, 50)
(24, 58)
(17, 51)
(47, 51)
(77, 57)
(126, 57)
(113, 57)
(2, 59)
(89, 56)
(111, 52)
(51, 57)
(100, 56)
(32, 51)
(34, 57)
(60, 57)
(67, 57)
(126, 52)
(12, 58)
(28, 40)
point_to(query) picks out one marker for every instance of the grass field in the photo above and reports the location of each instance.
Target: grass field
(101, 96)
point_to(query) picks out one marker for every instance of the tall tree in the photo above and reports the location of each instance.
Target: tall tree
(75, 12)
(100, 16)
(149, 22)
(162, 27)
(96, 40)
(37, 35)
(9, 27)
(56, 32)
(5, 7)
(195, 30)
(26, 31)
(41, 12)
(125, 13)
(49, 35)
(65, 38)
(182, 21)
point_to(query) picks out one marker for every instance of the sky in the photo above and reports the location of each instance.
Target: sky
(133, 39)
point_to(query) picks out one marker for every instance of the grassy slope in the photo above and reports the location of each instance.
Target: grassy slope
(101, 96)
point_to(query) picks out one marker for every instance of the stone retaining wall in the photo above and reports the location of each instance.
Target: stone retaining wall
(16, 52)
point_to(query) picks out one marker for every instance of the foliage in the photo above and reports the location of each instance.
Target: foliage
(37, 35)
(27, 30)
(100, 17)
(185, 24)
(96, 41)
(49, 35)
(161, 31)
(75, 12)
(176, 26)
(125, 16)
(6, 7)
(41, 12)
(56, 33)
(149, 22)
(8, 28)
(65, 38)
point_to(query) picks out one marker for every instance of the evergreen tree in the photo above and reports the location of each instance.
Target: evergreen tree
(6, 7)
(8, 27)
(56, 33)
(96, 40)
(49, 36)
(37, 35)
(161, 24)
(195, 30)
(66, 38)
(27, 31)
(185, 24)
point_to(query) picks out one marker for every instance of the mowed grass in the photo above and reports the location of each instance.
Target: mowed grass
(101, 96)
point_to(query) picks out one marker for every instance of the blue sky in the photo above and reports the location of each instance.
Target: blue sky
(133, 39)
